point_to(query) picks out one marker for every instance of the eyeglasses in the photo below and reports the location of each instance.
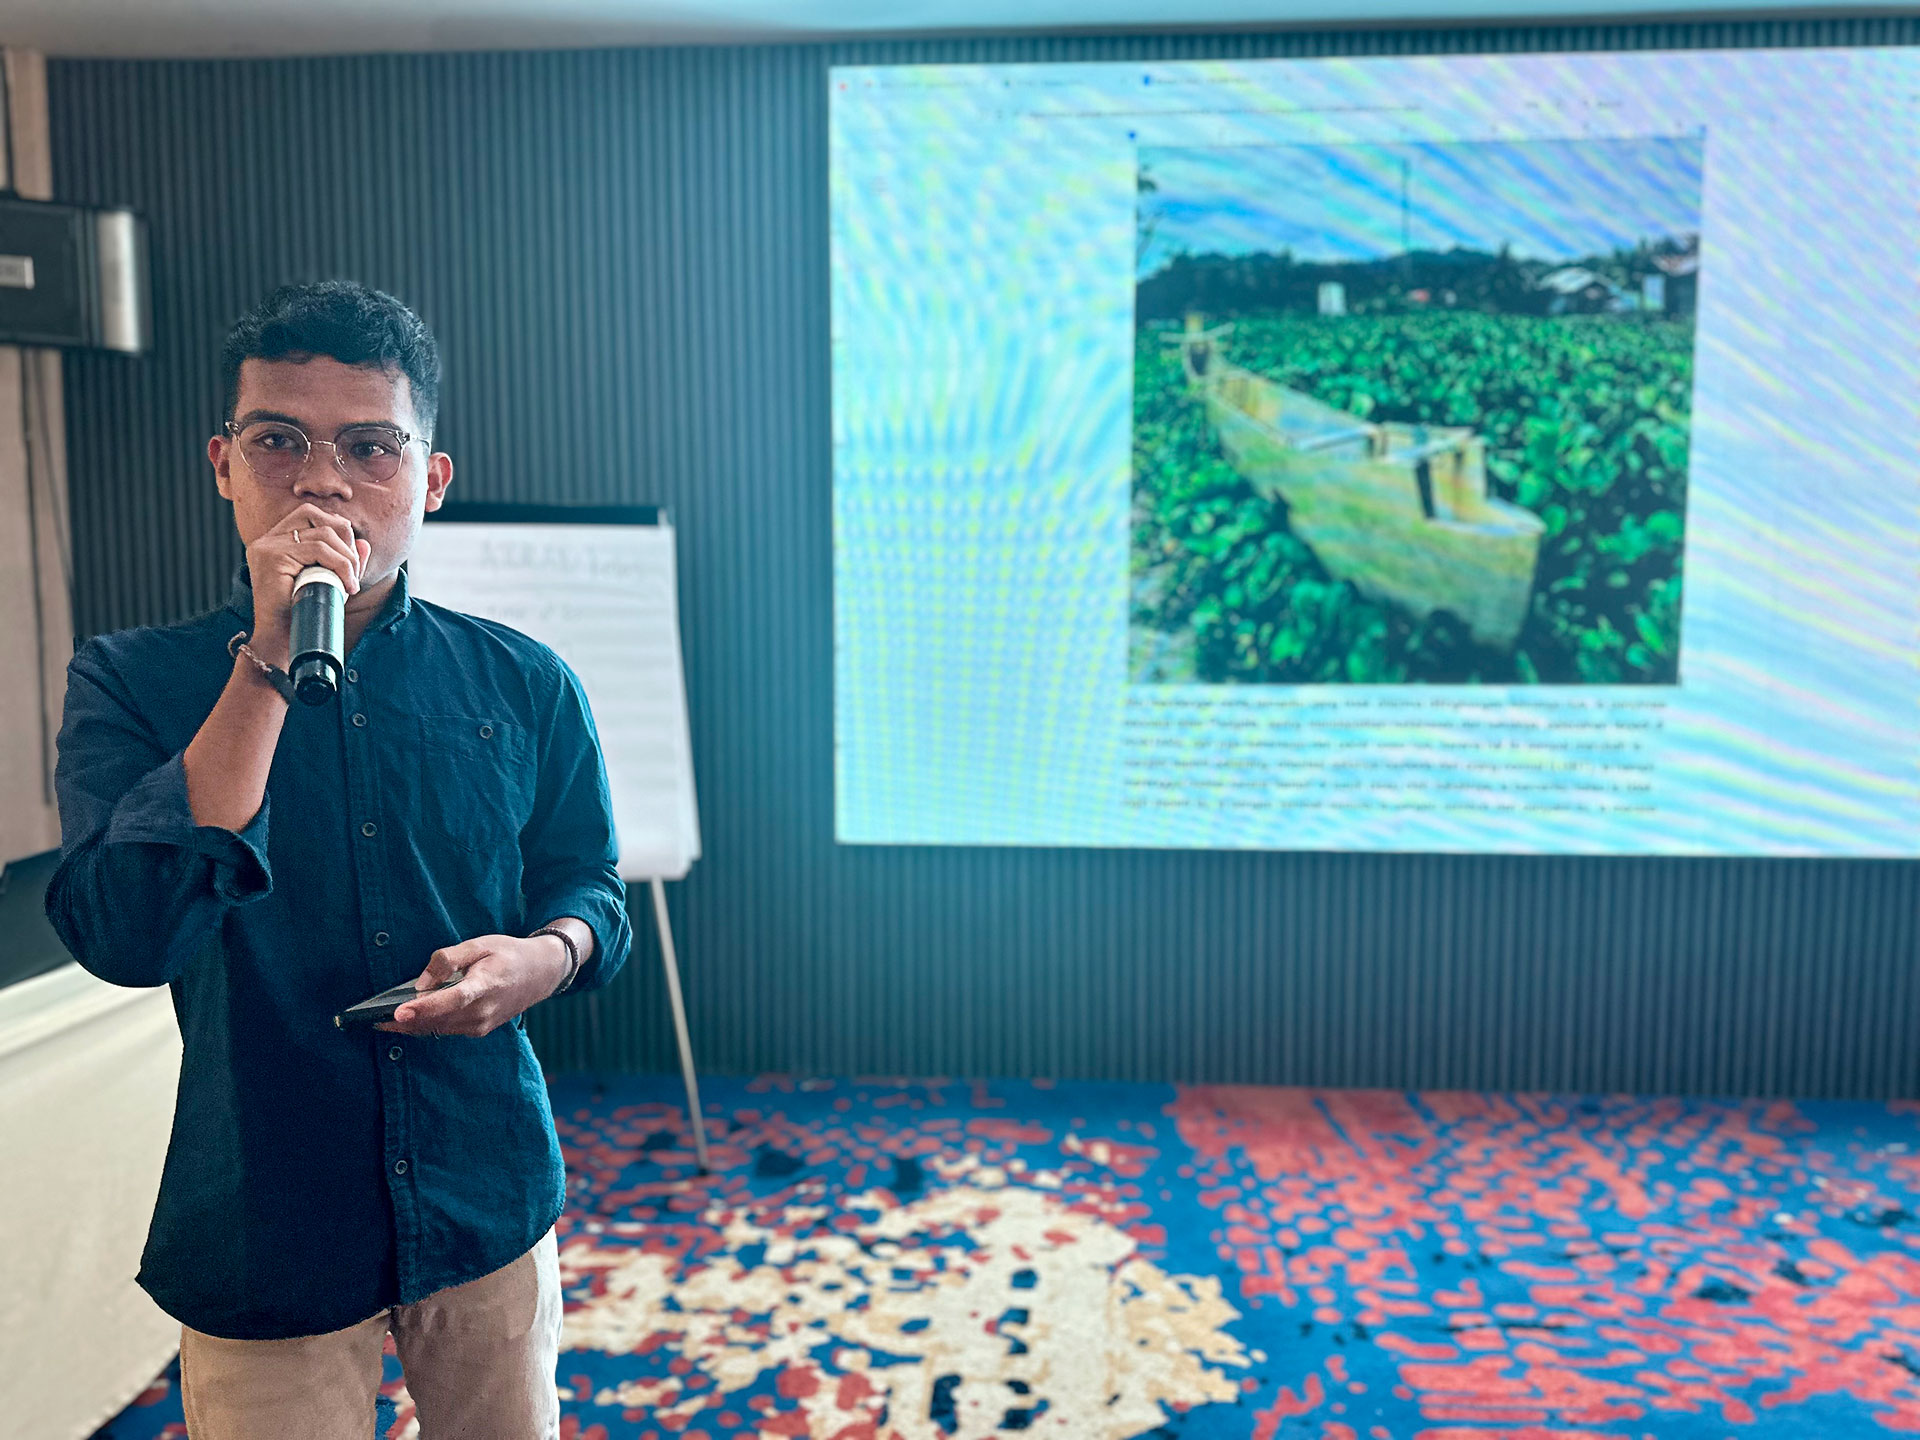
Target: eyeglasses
(277, 452)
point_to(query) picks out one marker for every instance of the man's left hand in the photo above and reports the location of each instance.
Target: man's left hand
(504, 975)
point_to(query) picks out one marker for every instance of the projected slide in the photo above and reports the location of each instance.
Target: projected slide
(1488, 453)
(1415, 415)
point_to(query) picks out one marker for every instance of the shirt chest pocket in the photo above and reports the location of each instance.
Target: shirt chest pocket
(476, 781)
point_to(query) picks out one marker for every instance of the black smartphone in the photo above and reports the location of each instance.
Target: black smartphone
(376, 1008)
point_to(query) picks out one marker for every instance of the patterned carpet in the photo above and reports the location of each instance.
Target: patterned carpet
(890, 1260)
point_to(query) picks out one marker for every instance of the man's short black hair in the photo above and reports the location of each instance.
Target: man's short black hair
(345, 321)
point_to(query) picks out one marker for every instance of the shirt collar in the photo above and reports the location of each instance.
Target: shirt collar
(399, 600)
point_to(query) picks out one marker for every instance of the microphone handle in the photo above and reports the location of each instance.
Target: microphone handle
(319, 632)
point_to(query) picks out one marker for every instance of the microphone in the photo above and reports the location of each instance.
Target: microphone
(319, 633)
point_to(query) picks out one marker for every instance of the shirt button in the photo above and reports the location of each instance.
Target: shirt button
(399, 1167)
(360, 720)
(368, 829)
(394, 1054)
(486, 732)
(380, 937)
(352, 676)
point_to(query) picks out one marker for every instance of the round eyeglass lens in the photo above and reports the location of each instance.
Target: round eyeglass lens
(369, 452)
(274, 451)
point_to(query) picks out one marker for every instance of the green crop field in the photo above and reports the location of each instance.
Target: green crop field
(1586, 424)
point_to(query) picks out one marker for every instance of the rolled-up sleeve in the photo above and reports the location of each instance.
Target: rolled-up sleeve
(568, 852)
(139, 887)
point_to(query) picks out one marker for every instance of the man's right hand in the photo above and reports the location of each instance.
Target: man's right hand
(305, 535)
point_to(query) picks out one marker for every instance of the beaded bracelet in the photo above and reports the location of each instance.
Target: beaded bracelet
(276, 677)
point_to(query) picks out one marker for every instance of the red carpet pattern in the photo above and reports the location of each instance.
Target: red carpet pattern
(1529, 1266)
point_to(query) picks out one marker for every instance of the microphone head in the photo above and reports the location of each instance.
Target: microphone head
(318, 575)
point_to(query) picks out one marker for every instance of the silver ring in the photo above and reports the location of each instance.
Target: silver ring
(296, 535)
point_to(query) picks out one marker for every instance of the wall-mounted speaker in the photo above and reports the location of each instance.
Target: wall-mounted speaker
(72, 275)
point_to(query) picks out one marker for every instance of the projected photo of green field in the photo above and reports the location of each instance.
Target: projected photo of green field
(1438, 433)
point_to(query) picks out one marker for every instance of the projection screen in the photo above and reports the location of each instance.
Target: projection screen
(1490, 453)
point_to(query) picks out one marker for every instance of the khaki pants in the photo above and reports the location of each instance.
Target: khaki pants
(479, 1360)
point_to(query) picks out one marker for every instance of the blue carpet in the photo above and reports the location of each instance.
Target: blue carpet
(892, 1260)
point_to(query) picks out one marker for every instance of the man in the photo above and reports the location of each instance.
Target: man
(275, 863)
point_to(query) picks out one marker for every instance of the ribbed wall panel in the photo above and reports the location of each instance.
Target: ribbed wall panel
(624, 254)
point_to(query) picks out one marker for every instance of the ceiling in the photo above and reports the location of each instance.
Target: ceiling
(304, 27)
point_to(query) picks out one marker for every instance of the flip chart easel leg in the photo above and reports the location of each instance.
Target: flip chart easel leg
(594, 1052)
(672, 965)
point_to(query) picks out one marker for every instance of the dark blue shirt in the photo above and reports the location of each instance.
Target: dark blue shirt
(318, 1176)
